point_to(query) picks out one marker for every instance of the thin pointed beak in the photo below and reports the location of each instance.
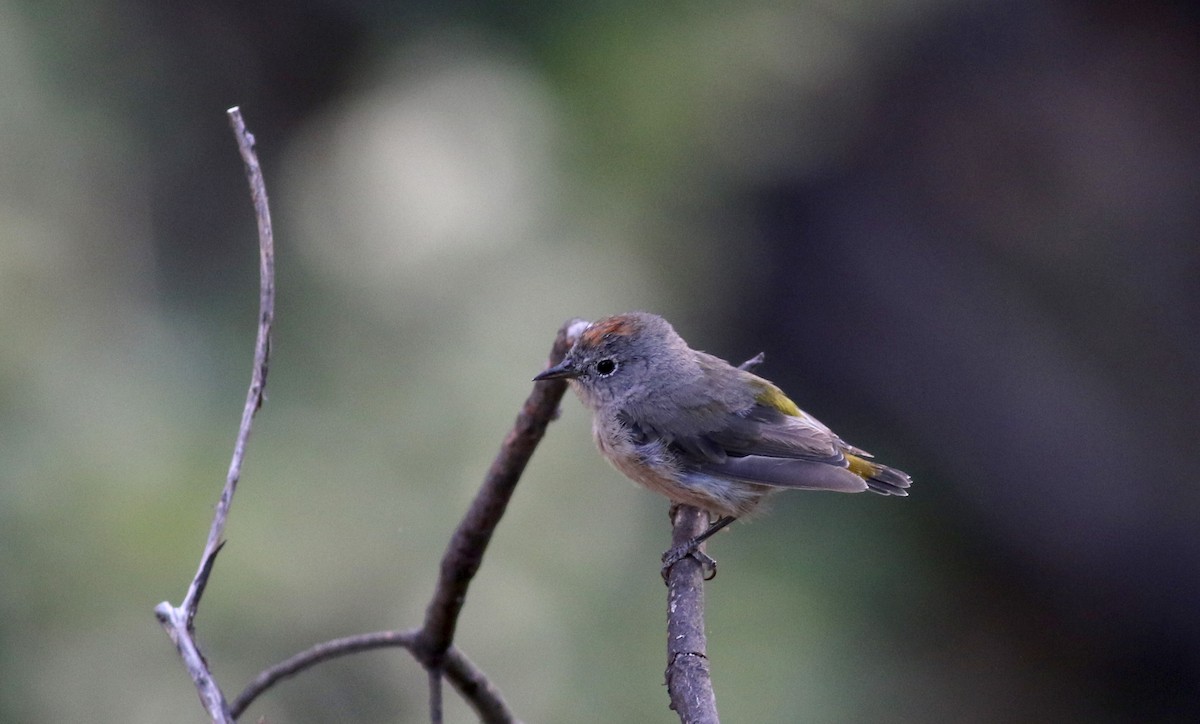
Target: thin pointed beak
(562, 370)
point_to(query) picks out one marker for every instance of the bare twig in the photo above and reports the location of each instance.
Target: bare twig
(476, 689)
(463, 675)
(432, 643)
(464, 554)
(688, 680)
(179, 621)
(435, 694)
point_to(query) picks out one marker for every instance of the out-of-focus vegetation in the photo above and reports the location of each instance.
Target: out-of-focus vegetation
(965, 235)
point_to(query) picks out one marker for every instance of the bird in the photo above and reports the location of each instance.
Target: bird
(702, 432)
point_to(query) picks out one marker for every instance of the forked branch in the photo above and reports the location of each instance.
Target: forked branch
(179, 621)
(432, 644)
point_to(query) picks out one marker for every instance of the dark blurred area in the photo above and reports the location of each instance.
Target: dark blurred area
(1005, 277)
(964, 234)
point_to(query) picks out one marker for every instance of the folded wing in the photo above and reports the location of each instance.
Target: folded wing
(768, 446)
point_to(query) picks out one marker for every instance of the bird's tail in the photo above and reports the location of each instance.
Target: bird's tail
(880, 478)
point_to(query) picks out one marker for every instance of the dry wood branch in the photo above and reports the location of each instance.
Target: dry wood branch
(179, 621)
(688, 680)
(432, 643)
(464, 554)
(463, 675)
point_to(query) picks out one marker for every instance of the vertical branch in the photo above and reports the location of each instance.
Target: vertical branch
(435, 694)
(179, 621)
(688, 681)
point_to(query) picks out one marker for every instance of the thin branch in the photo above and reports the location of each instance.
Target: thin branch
(177, 624)
(688, 681)
(317, 654)
(471, 683)
(179, 621)
(464, 554)
(463, 675)
(435, 695)
(432, 643)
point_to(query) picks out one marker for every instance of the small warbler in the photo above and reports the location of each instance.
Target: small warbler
(700, 431)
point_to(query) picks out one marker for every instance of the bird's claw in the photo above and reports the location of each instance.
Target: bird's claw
(690, 549)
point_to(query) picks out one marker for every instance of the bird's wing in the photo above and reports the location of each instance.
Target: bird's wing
(760, 430)
(764, 430)
(780, 473)
(770, 442)
(796, 452)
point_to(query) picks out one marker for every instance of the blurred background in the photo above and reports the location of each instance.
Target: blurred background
(963, 233)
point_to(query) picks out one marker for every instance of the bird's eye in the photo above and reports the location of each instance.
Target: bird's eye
(606, 367)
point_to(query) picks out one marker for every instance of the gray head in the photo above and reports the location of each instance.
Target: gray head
(620, 357)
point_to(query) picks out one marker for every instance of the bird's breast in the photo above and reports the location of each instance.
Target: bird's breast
(651, 463)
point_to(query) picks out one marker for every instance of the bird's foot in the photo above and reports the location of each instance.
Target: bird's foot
(691, 549)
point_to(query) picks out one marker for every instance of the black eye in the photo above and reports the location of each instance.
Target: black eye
(606, 367)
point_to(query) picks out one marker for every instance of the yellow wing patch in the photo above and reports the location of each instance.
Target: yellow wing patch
(773, 397)
(861, 468)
